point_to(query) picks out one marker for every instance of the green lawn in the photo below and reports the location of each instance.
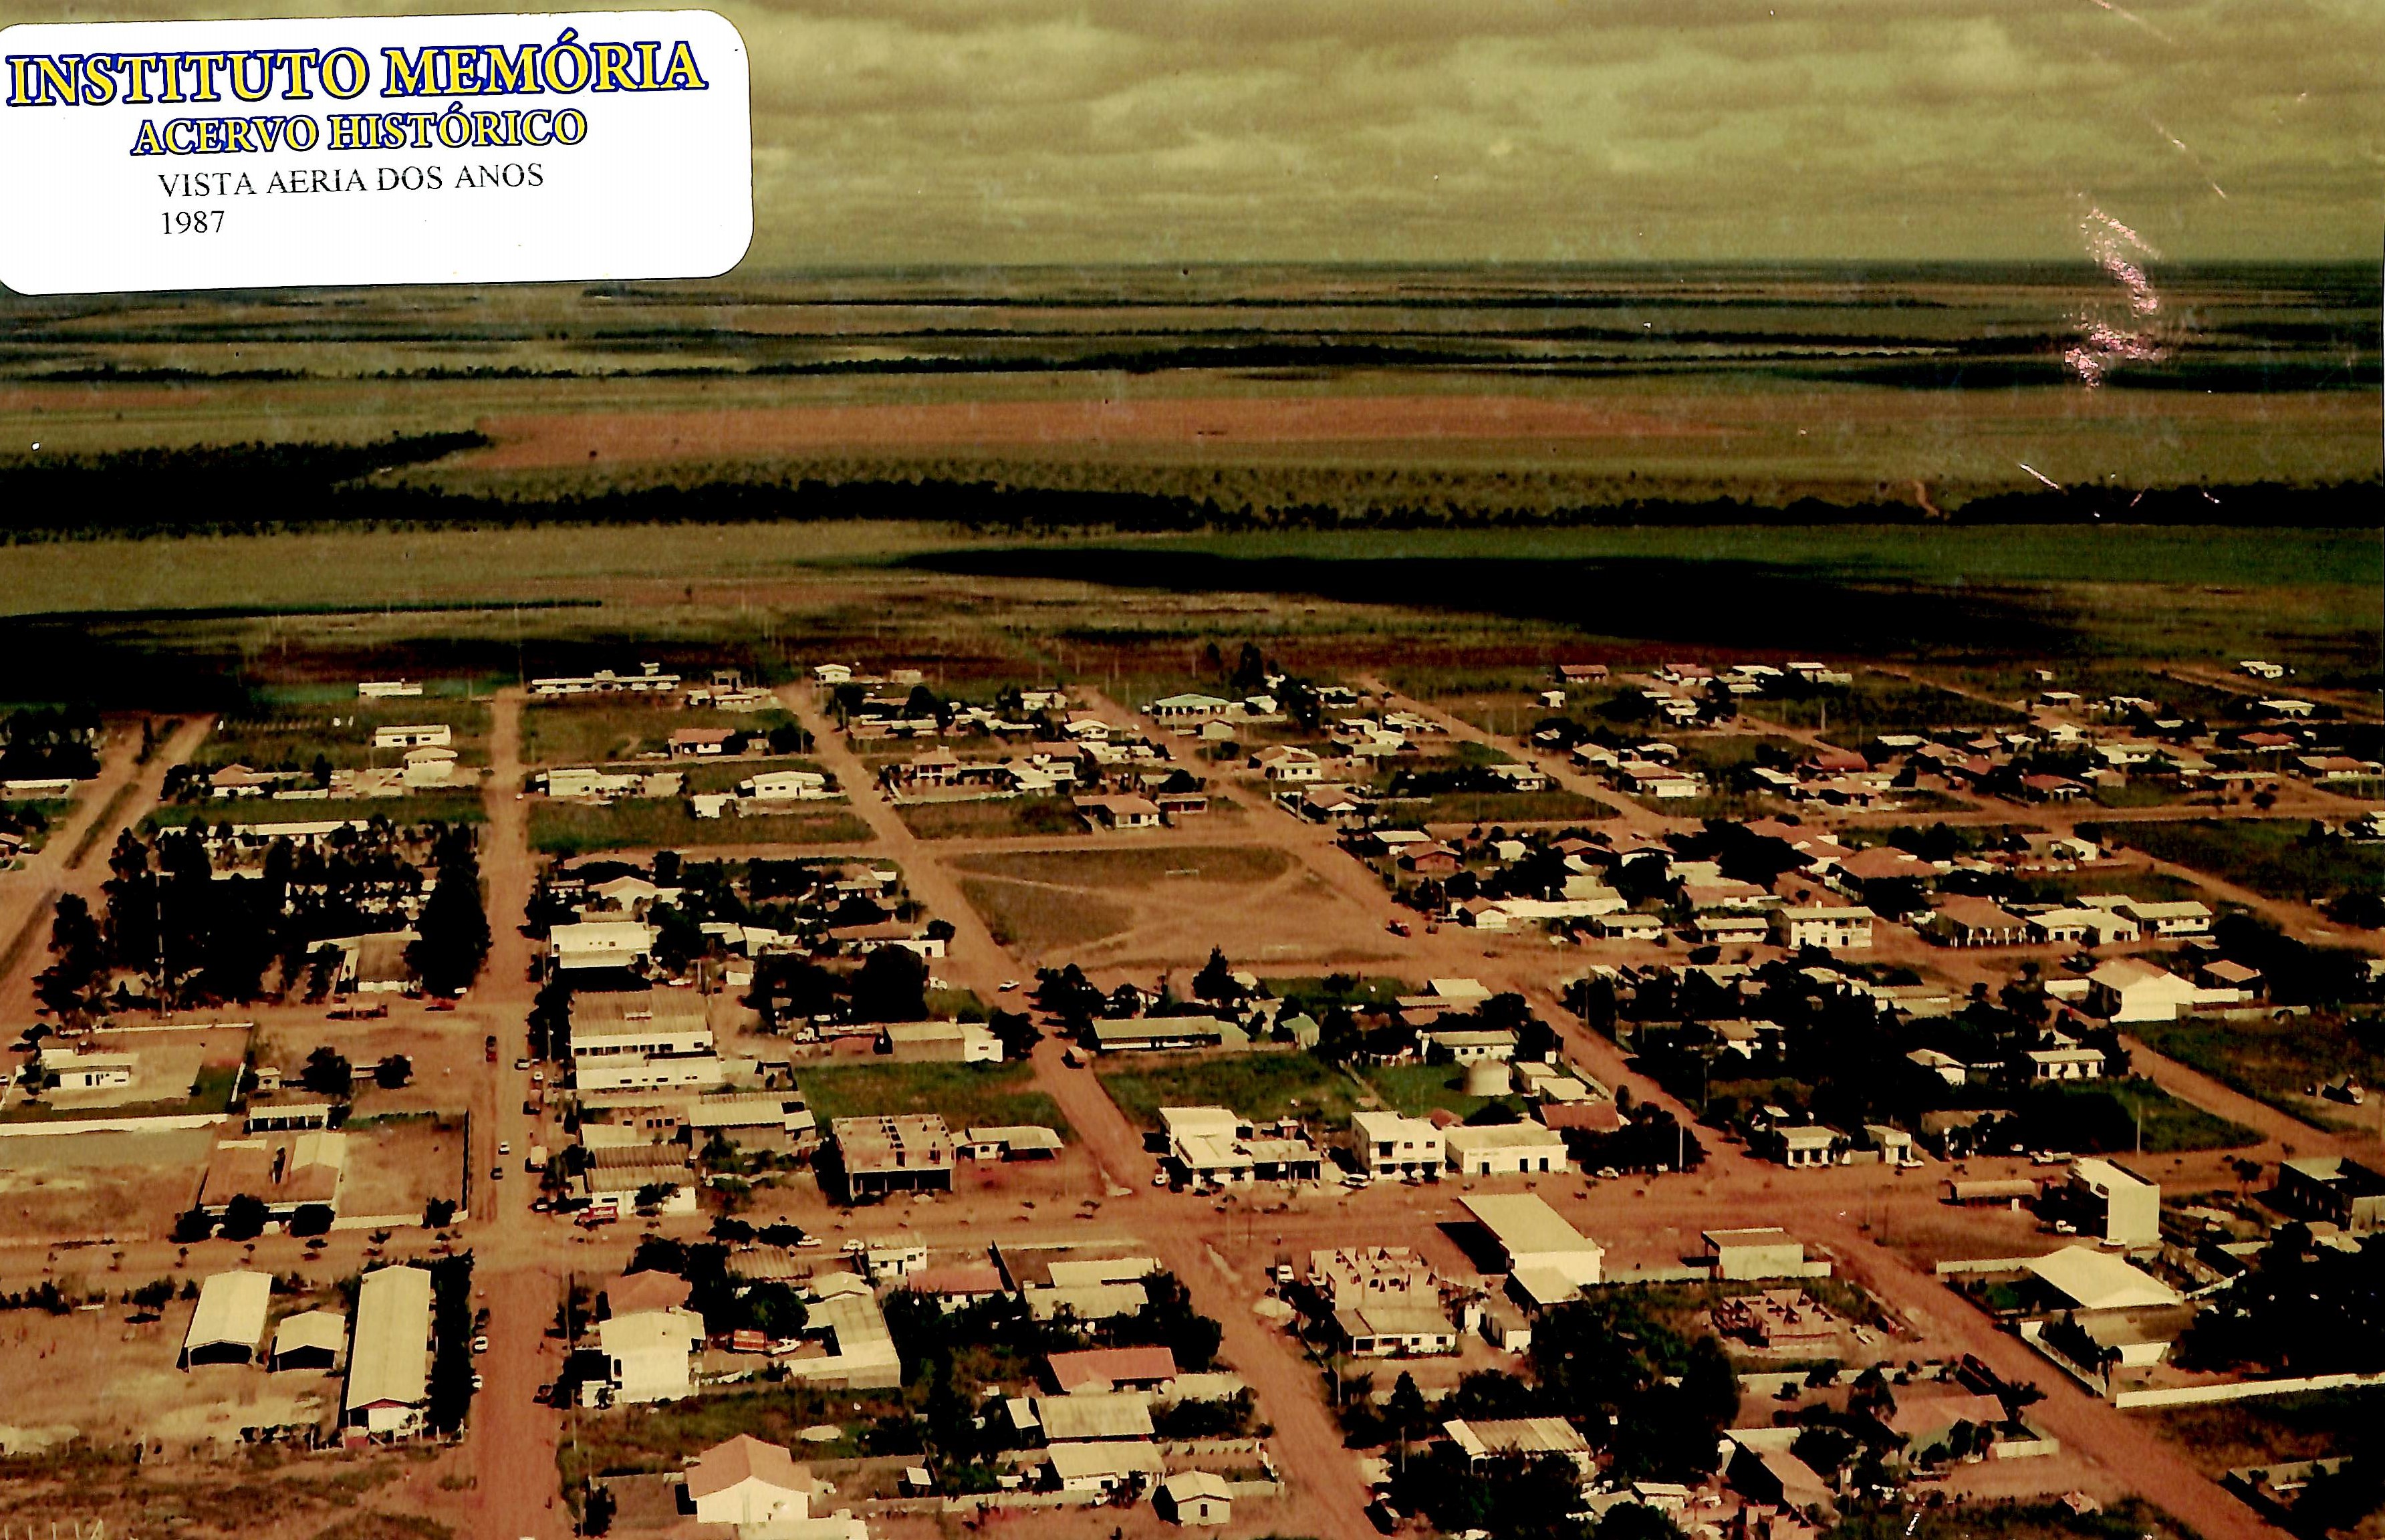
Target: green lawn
(722, 775)
(2129, 1519)
(2157, 887)
(1417, 1089)
(1311, 992)
(211, 1091)
(964, 1093)
(665, 823)
(1262, 1085)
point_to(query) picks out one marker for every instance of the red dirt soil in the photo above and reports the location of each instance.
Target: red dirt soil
(525, 443)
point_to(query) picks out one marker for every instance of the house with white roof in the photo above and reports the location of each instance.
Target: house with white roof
(1391, 1143)
(648, 1353)
(1505, 1150)
(2130, 989)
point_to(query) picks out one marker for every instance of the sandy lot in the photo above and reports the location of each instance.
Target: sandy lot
(85, 1185)
(1160, 906)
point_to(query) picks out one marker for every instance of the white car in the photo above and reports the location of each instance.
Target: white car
(505, 1146)
(1009, 985)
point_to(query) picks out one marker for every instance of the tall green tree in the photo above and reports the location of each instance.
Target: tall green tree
(454, 942)
(74, 987)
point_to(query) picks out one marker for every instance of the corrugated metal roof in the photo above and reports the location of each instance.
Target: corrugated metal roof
(390, 1362)
(231, 1311)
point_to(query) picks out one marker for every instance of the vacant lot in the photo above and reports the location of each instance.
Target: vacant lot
(398, 1163)
(1852, 715)
(87, 1184)
(2278, 1062)
(1151, 905)
(964, 1094)
(991, 818)
(665, 823)
(2274, 857)
(1039, 916)
(1141, 868)
(2231, 1437)
(570, 733)
(1263, 1085)
(1500, 807)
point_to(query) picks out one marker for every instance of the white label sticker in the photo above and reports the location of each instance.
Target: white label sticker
(437, 149)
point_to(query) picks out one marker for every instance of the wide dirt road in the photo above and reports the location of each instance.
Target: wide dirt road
(513, 1437)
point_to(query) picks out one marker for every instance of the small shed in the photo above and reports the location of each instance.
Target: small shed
(311, 1339)
(1196, 1497)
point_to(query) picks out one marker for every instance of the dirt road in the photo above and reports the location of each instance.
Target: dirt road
(513, 1437)
(124, 794)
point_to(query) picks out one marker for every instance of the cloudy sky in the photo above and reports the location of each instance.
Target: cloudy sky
(1070, 131)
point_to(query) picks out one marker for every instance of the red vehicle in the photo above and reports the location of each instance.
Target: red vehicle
(1398, 928)
(488, 1049)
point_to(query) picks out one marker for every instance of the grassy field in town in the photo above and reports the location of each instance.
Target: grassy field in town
(1260, 1085)
(966, 1094)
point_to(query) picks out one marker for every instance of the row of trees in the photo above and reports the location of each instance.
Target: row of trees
(49, 744)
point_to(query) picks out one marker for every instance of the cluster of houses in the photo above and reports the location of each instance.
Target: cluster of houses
(892, 704)
(825, 911)
(1083, 1428)
(424, 756)
(1388, 1302)
(1113, 780)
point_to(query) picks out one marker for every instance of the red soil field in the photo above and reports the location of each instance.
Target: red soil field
(524, 442)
